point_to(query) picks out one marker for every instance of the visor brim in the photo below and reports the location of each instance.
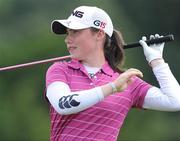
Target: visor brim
(60, 26)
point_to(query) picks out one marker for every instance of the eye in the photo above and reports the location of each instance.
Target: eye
(75, 31)
(71, 31)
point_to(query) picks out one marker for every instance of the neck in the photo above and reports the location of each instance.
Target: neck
(95, 61)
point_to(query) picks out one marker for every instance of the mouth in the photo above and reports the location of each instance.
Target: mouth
(71, 49)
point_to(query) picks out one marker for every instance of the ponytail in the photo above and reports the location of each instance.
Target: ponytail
(113, 50)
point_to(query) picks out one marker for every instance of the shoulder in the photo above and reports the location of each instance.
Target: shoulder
(64, 65)
(58, 66)
(63, 68)
(58, 71)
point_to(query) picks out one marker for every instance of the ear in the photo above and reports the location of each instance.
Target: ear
(101, 34)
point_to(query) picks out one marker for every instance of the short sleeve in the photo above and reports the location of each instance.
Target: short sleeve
(57, 72)
(139, 90)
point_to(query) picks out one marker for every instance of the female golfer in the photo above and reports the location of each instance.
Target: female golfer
(90, 96)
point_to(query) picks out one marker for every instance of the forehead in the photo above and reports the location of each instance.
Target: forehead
(74, 30)
(90, 29)
(86, 31)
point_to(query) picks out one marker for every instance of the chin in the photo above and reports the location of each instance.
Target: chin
(75, 57)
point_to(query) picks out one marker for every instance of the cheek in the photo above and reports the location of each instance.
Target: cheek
(87, 46)
(88, 41)
(84, 43)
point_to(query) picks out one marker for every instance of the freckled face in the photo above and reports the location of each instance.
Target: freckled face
(81, 43)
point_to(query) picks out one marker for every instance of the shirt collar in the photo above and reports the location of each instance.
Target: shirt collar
(75, 64)
(107, 69)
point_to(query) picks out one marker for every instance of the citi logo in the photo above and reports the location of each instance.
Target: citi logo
(99, 24)
(68, 102)
(78, 14)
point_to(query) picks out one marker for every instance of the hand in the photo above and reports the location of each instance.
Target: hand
(124, 79)
(154, 51)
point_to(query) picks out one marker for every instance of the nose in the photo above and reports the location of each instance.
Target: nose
(68, 39)
(69, 36)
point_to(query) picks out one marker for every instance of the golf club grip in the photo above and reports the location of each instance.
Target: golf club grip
(166, 38)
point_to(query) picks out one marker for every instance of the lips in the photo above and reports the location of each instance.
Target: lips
(71, 49)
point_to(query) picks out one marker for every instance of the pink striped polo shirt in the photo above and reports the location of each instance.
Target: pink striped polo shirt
(101, 122)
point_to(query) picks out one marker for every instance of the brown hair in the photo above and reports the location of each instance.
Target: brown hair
(113, 51)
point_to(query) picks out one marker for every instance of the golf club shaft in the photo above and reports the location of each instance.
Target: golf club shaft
(35, 63)
(132, 45)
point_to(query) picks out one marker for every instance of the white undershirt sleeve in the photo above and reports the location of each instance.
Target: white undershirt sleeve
(66, 102)
(167, 97)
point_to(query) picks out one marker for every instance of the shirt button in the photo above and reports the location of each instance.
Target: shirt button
(91, 84)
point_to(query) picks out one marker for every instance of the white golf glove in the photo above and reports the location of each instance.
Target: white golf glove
(154, 51)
